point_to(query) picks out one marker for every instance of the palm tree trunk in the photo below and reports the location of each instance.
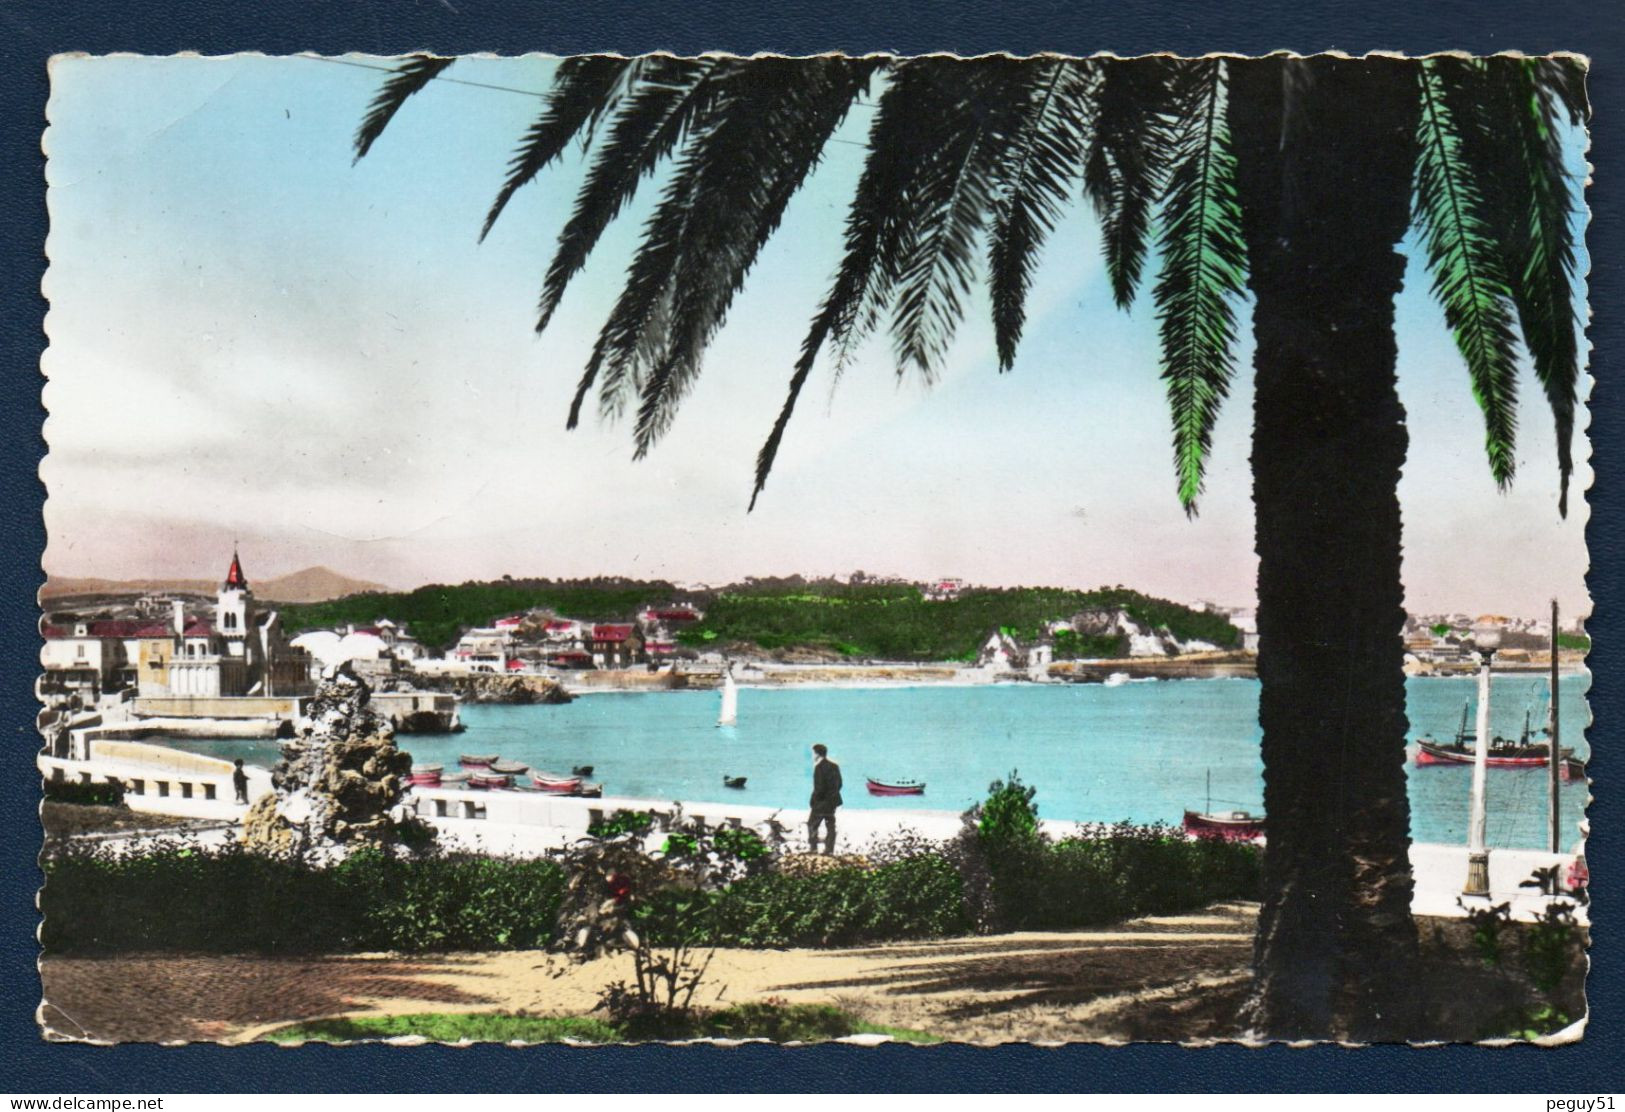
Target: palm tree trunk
(1325, 152)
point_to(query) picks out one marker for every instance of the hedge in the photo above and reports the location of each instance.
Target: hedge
(182, 898)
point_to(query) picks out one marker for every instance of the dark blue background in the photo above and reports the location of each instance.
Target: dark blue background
(31, 31)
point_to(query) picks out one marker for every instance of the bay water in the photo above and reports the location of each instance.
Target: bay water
(1140, 752)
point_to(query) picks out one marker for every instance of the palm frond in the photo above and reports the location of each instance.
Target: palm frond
(583, 90)
(950, 193)
(1045, 157)
(670, 94)
(634, 337)
(408, 78)
(1203, 267)
(922, 114)
(1126, 163)
(923, 117)
(1469, 277)
(741, 174)
(873, 229)
(1560, 80)
(1542, 264)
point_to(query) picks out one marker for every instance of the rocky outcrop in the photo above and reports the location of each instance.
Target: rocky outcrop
(479, 687)
(339, 779)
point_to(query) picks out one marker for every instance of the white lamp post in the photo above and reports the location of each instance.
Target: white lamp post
(1486, 639)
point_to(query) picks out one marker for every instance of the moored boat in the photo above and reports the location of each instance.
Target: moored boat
(733, 781)
(1526, 752)
(454, 780)
(468, 761)
(426, 776)
(558, 785)
(1502, 754)
(510, 768)
(896, 787)
(490, 781)
(581, 770)
(1230, 826)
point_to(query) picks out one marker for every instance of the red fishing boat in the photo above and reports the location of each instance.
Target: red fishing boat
(1526, 752)
(1502, 754)
(898, 787)
(490, 781)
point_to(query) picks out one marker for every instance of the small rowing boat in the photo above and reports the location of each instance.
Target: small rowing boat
(558, 785)
(733, 781)
(581, 770)
(896, 787)
(425, 776)
(478, 762)
(509, 768)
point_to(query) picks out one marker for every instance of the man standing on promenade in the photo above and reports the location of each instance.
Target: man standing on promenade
(826, 796)
(239, 780)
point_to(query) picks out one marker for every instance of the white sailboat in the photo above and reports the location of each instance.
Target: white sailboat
(730, 700)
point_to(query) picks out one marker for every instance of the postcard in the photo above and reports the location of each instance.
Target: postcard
(885, 549)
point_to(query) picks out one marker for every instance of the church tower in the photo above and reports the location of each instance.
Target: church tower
(234, 611)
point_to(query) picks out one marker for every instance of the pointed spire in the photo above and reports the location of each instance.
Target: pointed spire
(235, 579)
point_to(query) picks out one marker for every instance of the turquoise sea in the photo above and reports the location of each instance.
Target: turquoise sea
(1140, 752)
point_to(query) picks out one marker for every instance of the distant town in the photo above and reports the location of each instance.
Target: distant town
(102, 642)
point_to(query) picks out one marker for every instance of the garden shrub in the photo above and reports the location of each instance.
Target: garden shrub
(181, 897)
(916, 897)
(1001, 873)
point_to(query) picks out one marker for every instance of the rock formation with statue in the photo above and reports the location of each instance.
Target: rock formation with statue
(341, 778)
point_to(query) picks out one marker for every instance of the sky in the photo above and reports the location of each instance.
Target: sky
(254, 340)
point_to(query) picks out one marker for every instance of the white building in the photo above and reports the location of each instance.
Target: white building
(484, 650)
(243, 651)
(239, 650)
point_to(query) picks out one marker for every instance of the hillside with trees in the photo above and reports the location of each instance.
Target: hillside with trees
(893, 621)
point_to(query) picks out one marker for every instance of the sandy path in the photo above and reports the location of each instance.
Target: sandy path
(1174, 976)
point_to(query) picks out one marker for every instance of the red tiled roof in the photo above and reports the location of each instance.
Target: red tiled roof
(198, 627)
(680, 614)
(611, 632)
(113, 627)
(559, 625)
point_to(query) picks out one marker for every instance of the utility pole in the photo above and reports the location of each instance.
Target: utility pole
(1555, 752)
